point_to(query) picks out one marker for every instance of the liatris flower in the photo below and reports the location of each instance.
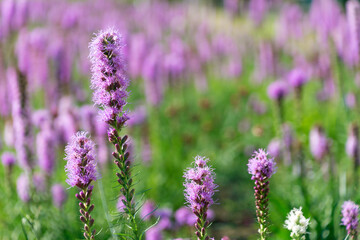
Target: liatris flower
(350, 218)
(199, 190)
(297, 78)
(81, 171)
(297, 224)
(147, 210)
(8, 159)
(353, 17)
(22, 120)
(154, 233)
(352, 144)
(278, 90)
(261, 167)
(318, 143)
(350, 100)
(109, 79)
(45, 146)
(274, 147)
(184, 216)
(23, 188)
(59, 195)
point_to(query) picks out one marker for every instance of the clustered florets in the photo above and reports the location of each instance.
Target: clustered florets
(350, 219)
(261, 166)
(81, 164)
(297, 223)
(109, 79)
(199, 185)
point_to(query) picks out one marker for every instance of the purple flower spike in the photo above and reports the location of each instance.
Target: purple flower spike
(81, 164)
(350, 218)
(8, 159)
(109, 79)
(318, 143)
(261, 167)
(81, 171)
(352, 144)
(297, 78)
(199, 190)
(45, 146)
(23, 188)
(59, 195)
(278, 90)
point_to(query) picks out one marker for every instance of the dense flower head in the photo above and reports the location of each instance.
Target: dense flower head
(350, 216)
(59, 195)
(199, 185)
(278, 90)
(81, 164)
(8, 159)
(261, 166)
(109, 79)
(297, 77)
(297, 223)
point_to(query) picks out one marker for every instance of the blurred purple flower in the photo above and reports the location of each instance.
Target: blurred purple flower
(257, 10)
(39, 182)
(350, 100)
(138, 116)
(278, 90)
(23, 188)
(8, 159)
(350, 217)
(147, 210)
(274, 148)
(59, 195)
(45, 146)
(318, 143)
(297, 77)
(154, 233)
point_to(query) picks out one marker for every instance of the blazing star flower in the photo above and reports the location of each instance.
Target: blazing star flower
(350, 217)
(297, 224)
(81, 164)
(59, 195)
(278, 90)
(199, 190)
(8, 159)
(109, 78)
(318, 143)
(81, 171)
(261, 167)
(23, 188)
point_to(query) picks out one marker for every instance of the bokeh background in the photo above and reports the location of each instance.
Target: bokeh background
(212, 78)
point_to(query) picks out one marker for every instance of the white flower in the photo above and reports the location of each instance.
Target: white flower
(297, 224)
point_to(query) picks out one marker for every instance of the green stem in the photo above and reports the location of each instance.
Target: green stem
(125, 181)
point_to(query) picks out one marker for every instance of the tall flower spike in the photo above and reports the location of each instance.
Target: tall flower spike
(109, 78)
(81, 171)
(109, 81)
(261, 167)
(297, 224)
(350, 218)
(199, 190)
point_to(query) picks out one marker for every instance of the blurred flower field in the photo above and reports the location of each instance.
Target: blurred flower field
(154, 119)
